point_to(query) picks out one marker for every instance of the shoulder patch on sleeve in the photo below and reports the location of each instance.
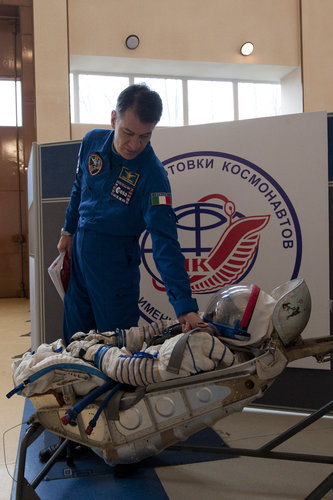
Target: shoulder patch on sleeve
(161, 199)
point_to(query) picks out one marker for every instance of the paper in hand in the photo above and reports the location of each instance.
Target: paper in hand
(59, 272)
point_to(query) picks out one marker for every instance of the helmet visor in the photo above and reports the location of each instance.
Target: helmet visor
(231, 309)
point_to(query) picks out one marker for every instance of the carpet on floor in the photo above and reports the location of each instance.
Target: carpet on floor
(92, 478)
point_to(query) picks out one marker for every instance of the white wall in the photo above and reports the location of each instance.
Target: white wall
(292, 93)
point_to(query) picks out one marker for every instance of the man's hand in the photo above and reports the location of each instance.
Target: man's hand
(65, 244)
(189, 321)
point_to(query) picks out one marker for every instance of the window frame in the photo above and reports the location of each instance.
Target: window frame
(184, 79)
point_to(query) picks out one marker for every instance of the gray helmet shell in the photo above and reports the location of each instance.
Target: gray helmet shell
(292, 310)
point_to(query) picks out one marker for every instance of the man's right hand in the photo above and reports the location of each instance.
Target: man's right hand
(65, 244)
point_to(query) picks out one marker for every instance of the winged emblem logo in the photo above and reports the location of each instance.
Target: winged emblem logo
(233, 252)
(128, 176)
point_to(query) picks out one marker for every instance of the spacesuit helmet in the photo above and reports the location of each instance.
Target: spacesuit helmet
(241, 314)
(292, 310)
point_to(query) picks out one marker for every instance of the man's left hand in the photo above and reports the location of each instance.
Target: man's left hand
(189, 321)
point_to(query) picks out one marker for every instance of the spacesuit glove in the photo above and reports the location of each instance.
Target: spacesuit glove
(91, 335)
(78, 348)
(103, 338)
(156, 328)
(90, 352)
(81, 335)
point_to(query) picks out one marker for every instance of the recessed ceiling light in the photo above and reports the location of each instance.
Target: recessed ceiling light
(247, 48)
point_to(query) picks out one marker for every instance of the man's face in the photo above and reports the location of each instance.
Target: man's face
(130, 134)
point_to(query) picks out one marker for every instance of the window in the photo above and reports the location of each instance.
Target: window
(97, 96)
(10, 103)
(171, 92)
(186, 101)
(210, 102)
(258, 99)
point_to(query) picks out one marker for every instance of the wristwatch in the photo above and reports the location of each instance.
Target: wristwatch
(64, 233)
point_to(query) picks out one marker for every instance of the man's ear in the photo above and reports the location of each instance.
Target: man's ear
(113, 119)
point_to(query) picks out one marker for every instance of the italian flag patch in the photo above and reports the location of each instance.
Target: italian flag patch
(161, 199)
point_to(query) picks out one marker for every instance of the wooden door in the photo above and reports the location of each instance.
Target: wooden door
(13, 251)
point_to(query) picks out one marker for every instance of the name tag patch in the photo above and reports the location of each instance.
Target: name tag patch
(122, 192)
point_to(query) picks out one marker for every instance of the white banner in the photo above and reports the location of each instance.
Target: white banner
(251, 199)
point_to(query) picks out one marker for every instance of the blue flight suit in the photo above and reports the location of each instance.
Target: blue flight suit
(113, 201)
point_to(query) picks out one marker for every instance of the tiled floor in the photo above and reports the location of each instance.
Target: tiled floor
(254, 478)
(14, 325)
(237, 478)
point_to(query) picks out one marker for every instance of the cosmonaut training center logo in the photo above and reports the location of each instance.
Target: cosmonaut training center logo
(221, 233)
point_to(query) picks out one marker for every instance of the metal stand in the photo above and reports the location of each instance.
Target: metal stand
(26, 490)
(265, 451)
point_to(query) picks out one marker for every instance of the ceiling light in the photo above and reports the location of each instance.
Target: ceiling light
(132, 42)
(247, 48)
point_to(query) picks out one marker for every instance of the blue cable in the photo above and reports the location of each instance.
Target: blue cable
(71, 414)
(93, 421)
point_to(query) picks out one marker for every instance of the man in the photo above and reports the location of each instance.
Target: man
(120, 190)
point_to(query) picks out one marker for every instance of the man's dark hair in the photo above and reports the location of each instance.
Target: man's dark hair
(146, 103)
